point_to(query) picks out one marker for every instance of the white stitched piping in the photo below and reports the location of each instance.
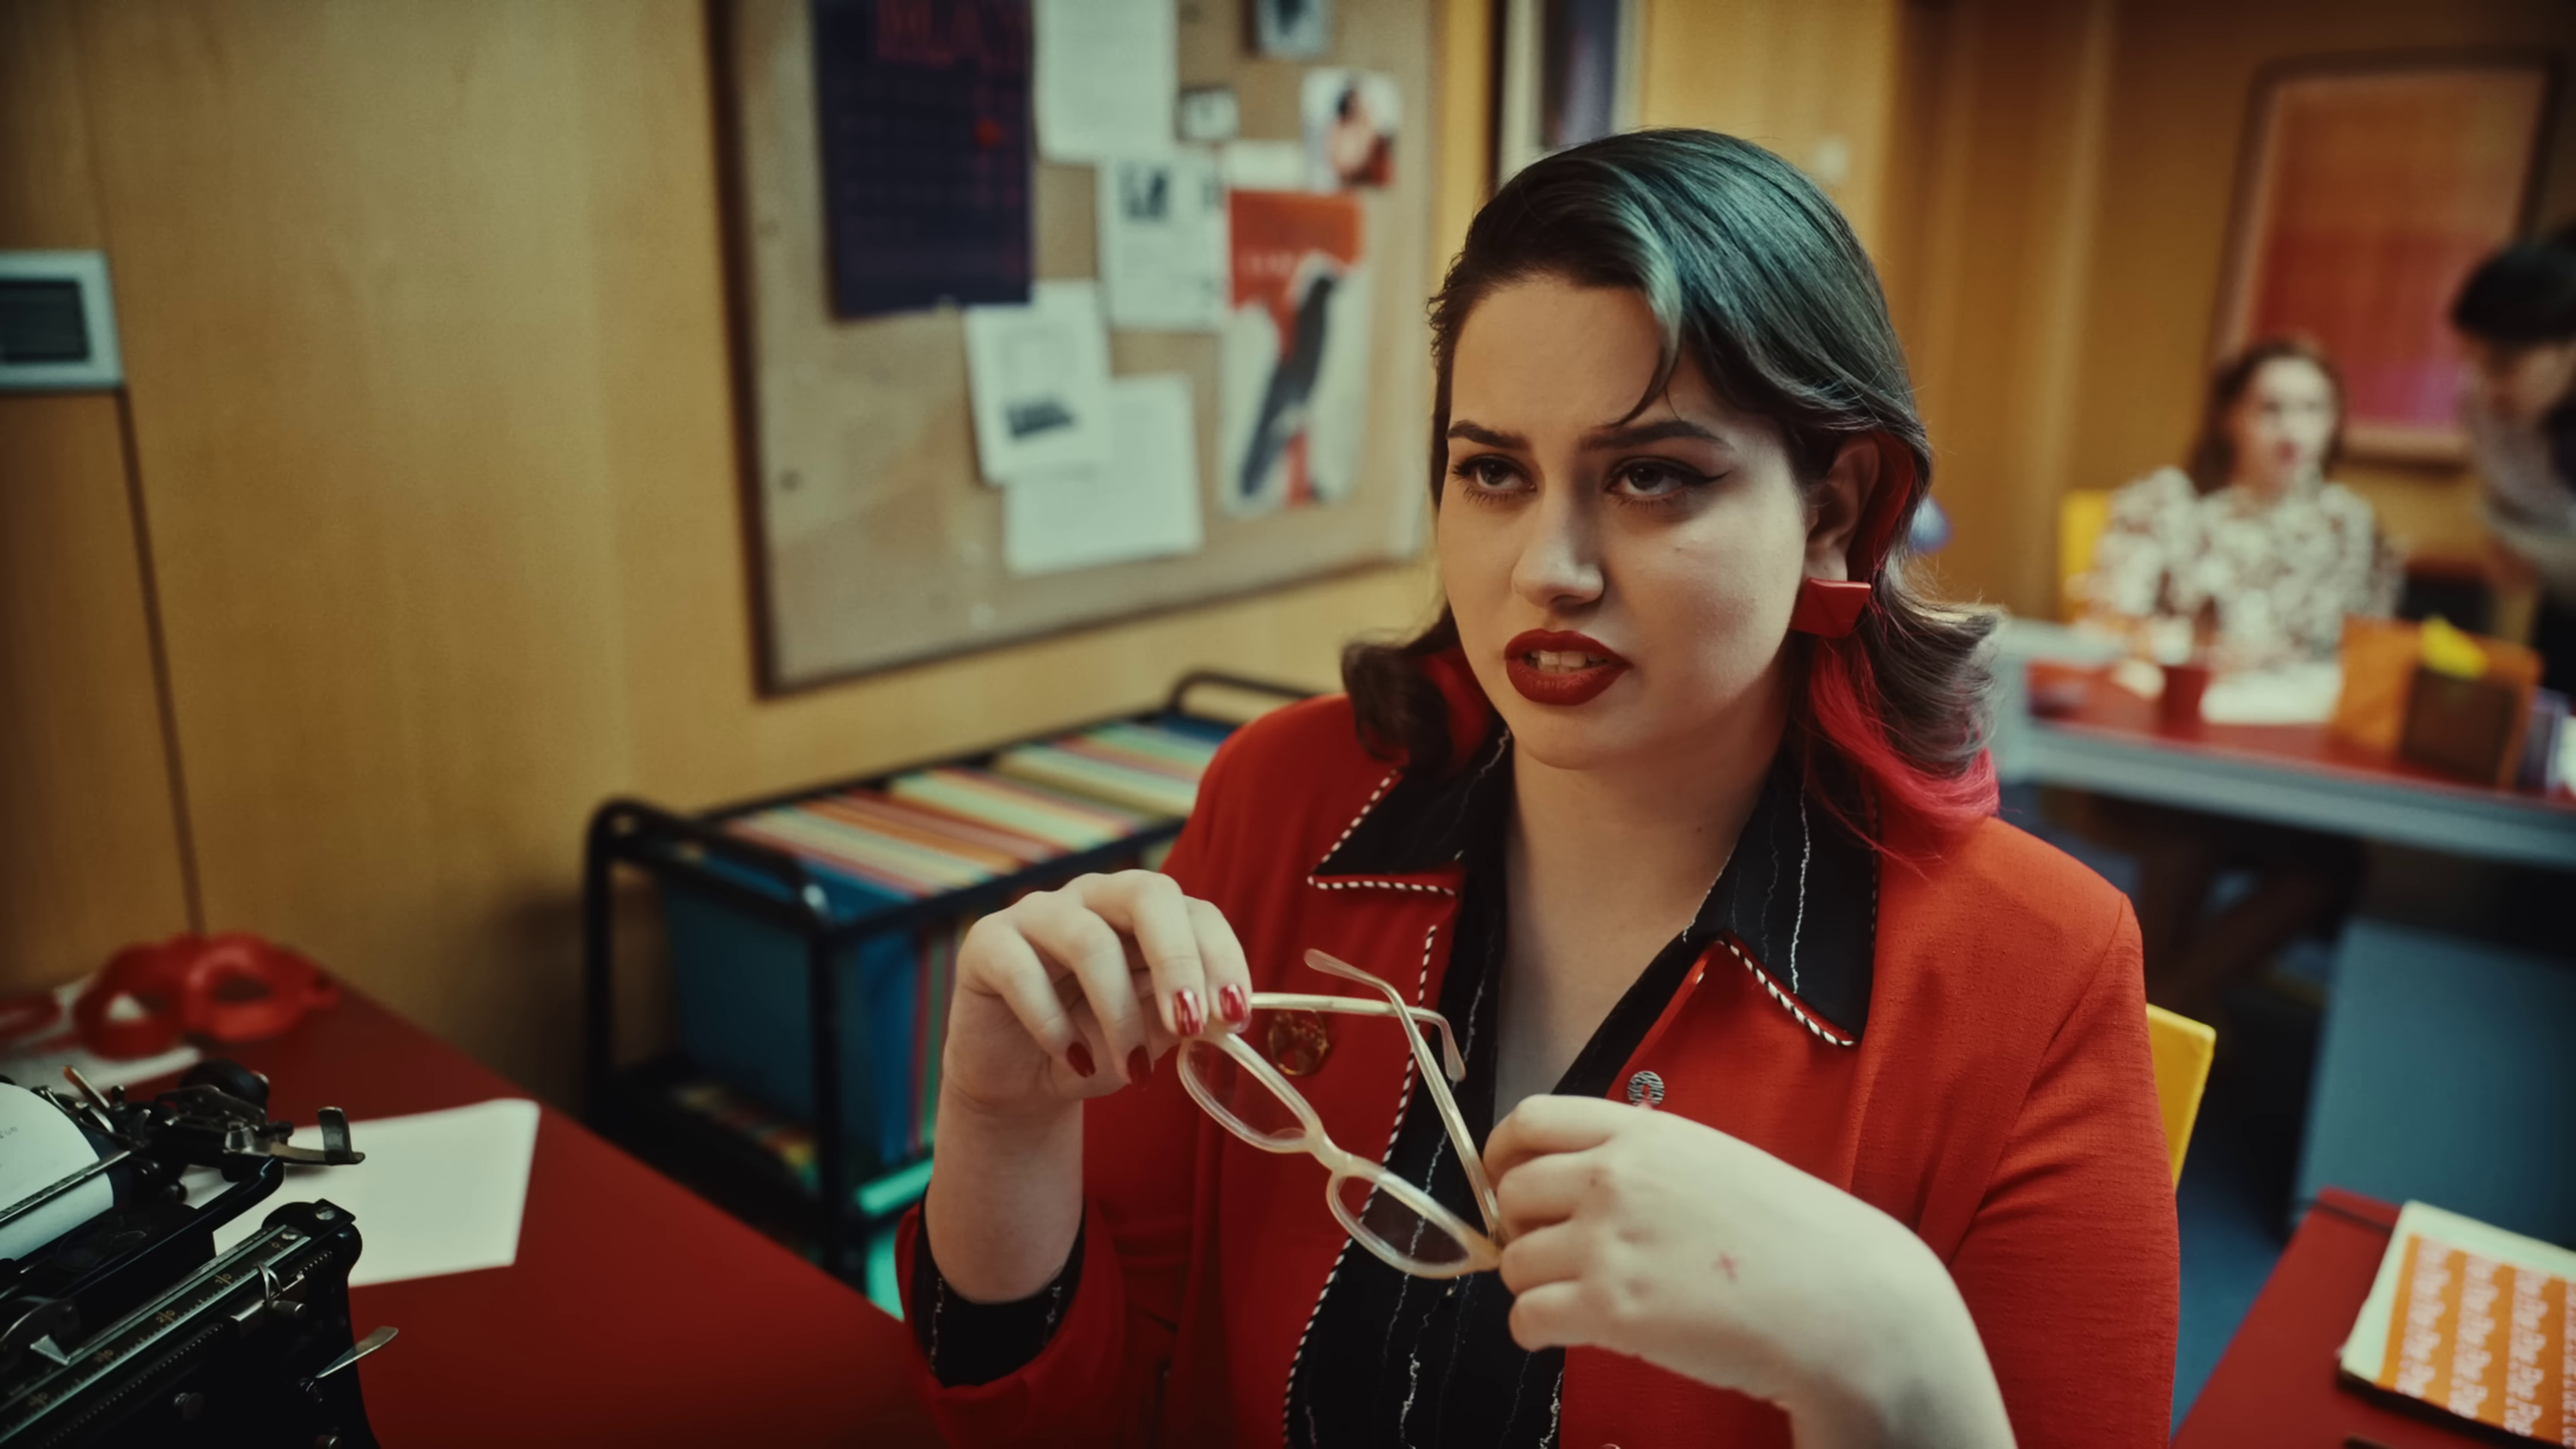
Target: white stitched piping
(1355, 882)
(1787, 1001)
(1370, 804)
(1345, 883)
(1806, 853)
(1403, 1100)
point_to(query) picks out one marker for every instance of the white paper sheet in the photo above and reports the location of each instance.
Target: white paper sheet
(1264, 165)
(440, 1192)
(1163, 243)
(1108, 75)
(39, 1147)
(1142, 503)
(2293, 694)
(1040, 378)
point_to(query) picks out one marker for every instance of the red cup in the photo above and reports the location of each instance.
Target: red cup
(2184, 685)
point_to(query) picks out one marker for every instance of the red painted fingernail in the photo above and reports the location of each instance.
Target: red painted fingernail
(1080, 1056)
(1139, 1065)
(1230, 1001)
(1187, 1015)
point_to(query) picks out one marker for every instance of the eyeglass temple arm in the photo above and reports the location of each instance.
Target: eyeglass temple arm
(1450, 1060)
(1469, 1159)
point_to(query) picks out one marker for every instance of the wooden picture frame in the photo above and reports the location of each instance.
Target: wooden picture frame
(2369, 192)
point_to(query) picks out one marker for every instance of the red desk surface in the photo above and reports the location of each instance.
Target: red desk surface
(2277, 1384)
(2101, 707)
(635, 1314)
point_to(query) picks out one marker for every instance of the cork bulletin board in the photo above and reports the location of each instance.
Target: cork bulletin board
(876, 542)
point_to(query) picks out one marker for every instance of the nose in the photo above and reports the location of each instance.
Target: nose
(1559, 567)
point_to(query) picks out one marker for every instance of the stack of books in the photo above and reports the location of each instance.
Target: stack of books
(946, 828)
(917, 836)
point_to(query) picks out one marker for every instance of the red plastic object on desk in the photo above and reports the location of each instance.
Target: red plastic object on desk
(232, 988)
(2184, 685)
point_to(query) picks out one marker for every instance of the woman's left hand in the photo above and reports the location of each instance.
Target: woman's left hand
(1652, 1235)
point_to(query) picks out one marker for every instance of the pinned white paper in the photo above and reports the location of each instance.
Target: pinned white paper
(1264, 165)
(440, 1192)
(1142, 503)
(1040, 377)
(1108, 72)
(1162, 242)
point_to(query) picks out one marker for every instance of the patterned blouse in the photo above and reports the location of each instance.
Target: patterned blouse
(2283, 577)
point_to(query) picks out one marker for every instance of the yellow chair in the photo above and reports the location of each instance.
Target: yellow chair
(2081, 512)
(2180, 1048)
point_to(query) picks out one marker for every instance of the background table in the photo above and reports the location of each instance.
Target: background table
(2278, 1385)
(635, 1314)
(2113, 742)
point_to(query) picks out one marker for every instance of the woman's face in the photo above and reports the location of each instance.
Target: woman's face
(1622, 584)
(2281, 425)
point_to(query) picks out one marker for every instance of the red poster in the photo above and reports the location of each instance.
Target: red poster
(1296, 352)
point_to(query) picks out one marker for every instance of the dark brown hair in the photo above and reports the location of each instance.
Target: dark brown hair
(2213, 452)
(2522, 295)
(1758, 281)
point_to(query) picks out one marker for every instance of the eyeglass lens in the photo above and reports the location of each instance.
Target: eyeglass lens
(1247, 1104)
(1398, 1228)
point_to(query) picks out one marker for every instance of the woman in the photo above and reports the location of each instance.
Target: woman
(2253, 530)
(1680, 805)
(2254, 538)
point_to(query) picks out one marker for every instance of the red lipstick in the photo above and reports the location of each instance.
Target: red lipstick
(1536, 662)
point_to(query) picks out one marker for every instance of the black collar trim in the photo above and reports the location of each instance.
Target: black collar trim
(1797, 904)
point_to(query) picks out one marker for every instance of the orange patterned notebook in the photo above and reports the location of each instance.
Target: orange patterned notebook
(2474, 1320)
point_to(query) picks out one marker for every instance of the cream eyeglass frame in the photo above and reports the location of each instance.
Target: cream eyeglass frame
(1481, 1250)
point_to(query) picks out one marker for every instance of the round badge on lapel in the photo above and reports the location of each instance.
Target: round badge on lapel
(1298, 1042)
(1645, 1089)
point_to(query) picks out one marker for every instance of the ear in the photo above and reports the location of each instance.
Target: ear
(1838, 505)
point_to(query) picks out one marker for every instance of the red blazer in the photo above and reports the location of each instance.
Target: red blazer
(2000, 1103)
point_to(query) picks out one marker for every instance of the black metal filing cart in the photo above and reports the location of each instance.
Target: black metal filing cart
(801, 923)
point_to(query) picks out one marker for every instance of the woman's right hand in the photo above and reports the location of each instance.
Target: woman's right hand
(1073, 993)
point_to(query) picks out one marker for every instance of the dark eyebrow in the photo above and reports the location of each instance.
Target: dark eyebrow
(1601, 439)
(1478, 433)
(1640, 434)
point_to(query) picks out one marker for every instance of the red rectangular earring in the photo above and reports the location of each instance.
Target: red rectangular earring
(1830, 607)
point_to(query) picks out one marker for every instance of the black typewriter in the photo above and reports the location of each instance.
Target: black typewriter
(130, 1329)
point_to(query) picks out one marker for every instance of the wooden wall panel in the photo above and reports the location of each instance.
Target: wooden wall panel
(1813, 81)
(2001, 153)
(364, 347)
(425, 326)
(90, 856)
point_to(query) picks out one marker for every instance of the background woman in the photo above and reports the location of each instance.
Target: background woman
(2252, 527)
(2256, 535)
(1681, 805)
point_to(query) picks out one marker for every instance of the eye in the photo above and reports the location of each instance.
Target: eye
(1655, 480)
(1487, 474)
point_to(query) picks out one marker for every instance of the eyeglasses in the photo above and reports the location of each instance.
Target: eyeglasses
(1399, 1222)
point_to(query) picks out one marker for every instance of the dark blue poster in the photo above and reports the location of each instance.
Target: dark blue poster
(926, 151)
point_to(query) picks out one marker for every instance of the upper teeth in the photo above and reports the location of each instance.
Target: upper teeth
(1561, 659)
